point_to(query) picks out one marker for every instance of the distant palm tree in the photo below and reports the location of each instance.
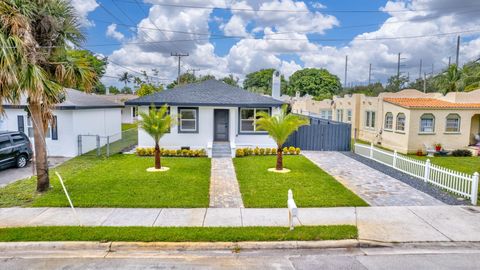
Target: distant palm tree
(156, 123)
(279, 127)
(125, 78)
(451, 80)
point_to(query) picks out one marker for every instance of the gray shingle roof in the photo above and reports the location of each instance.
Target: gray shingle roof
(75, 100)
(207, 93)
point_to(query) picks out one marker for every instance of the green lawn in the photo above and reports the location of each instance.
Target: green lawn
(462, 164)
(119, 181)
(128, 126)
(311, 186)
(178, 234)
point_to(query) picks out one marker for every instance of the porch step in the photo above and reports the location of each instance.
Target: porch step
(221, 149)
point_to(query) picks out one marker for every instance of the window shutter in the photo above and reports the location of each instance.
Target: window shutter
(21, 123)
(55, 128)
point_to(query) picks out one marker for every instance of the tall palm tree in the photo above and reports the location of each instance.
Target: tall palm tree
(451, 80)
(125, 78)
(36, 37)
(279, 127)
(156, 123)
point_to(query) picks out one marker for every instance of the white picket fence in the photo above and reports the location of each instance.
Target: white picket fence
(456, 182)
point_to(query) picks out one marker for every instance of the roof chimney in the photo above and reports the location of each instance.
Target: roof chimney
(276, 85)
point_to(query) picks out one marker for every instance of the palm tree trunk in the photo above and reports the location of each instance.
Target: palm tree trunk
(158, 165)
(41, 161)
(279, 166)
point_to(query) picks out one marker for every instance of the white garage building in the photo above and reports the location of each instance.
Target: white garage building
(78, 114)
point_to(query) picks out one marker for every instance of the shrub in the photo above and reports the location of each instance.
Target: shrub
(292, 150)
(256, 151)
(274, 151)
(262, 151)
(239, 152)
(462, 153)
(285, 150)
(150, 151)
(268, 151)
(297, 151)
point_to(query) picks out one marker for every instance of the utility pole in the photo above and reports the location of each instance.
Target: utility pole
(458, 50)
(424, 82)
(449, 61)
(193, 71)
(346, 68)
(369, 73)
(179, 55)
(420, 72)
(398, 67)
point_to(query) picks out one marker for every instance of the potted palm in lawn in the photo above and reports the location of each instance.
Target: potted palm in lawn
(279, 127)
(156, 123)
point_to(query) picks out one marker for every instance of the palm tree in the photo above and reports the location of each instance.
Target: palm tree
(451, 80)
(279, 127)
(156, 123)
(36, 38)
(125, 78)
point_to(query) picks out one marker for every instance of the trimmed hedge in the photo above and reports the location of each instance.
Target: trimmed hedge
(243, 152)
(150, 151)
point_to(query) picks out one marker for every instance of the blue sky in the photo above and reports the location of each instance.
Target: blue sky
(288, 35)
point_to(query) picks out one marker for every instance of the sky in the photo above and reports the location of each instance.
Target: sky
(225, 37)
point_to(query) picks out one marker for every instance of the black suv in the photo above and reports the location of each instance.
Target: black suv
(15, 149)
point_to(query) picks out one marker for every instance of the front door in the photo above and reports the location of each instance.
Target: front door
(220, 125)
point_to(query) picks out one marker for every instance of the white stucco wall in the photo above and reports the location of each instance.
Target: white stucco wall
(127, 115)
(200, 140)
(70, 123)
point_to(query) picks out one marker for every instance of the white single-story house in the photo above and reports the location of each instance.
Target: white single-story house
(79, 114)
(210, 112)
(129, 112)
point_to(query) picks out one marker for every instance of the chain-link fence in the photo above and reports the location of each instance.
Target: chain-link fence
(96, 145)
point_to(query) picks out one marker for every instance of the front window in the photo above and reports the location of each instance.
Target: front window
(188, 119)
(326, 114)
(388, 121)
(349, 115)
(249, 117)
(427, 123)
(370, 119)
(400, 122)
(453, 123)
(30, 129)
(339, 115)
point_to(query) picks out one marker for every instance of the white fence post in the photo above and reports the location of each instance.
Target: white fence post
(427, 171)
(371, 150)
(394, 164)
(474, 196)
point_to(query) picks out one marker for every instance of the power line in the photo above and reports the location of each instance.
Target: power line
(179, 55)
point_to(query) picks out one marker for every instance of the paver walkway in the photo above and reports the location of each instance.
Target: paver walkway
(224, 189)
(375, 187)
(385, 224)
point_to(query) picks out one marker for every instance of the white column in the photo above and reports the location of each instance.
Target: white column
(427, 171)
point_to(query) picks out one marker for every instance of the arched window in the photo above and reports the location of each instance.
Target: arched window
(388, 121)
(427, 123)
(400, 122)
(452, 123)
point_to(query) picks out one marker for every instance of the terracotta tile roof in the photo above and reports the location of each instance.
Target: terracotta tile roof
(430, 103)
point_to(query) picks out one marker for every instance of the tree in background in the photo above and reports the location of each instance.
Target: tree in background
(147, 89)
(37, 60)
(261, 82)
(395, 83)
(369, 90)
(279, 127)
(156, 123)
(315, 82)
(125, 78)
(451, 80)
(126, 90)
(113, 90)
(233, 81)
(471, 76)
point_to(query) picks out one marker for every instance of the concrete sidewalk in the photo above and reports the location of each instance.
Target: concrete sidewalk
(383, 224)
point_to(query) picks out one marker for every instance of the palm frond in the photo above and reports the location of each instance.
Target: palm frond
(156, 122)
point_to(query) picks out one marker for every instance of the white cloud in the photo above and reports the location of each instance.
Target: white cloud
(83, 8)
(113, 33)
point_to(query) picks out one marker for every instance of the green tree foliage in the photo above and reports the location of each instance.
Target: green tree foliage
(369, 90)
(125, 77)
(231, 80)
(261, 82)
(156, 123)
(451, 80)
(147, 89)
(279, 127)
(113, 90)
(315, 82)
(395, 83)
(126, 90)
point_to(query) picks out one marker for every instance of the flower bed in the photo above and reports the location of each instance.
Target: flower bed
(150, 151)
(243, 152)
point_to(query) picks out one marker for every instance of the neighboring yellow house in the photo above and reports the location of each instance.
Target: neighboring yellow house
(406, 121)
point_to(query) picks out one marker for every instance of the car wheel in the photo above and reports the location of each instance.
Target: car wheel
(22, 161)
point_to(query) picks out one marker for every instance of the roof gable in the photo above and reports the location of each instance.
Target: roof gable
(206, 93)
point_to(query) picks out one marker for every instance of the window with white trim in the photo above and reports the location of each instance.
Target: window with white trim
(326, 114)
(452, 123)
(427, 123)
(187, 120)
(400, 122)
(349, 116)
(340, 115)
(388, 121)
(370, 119)
(248, 119)
(30, 129)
